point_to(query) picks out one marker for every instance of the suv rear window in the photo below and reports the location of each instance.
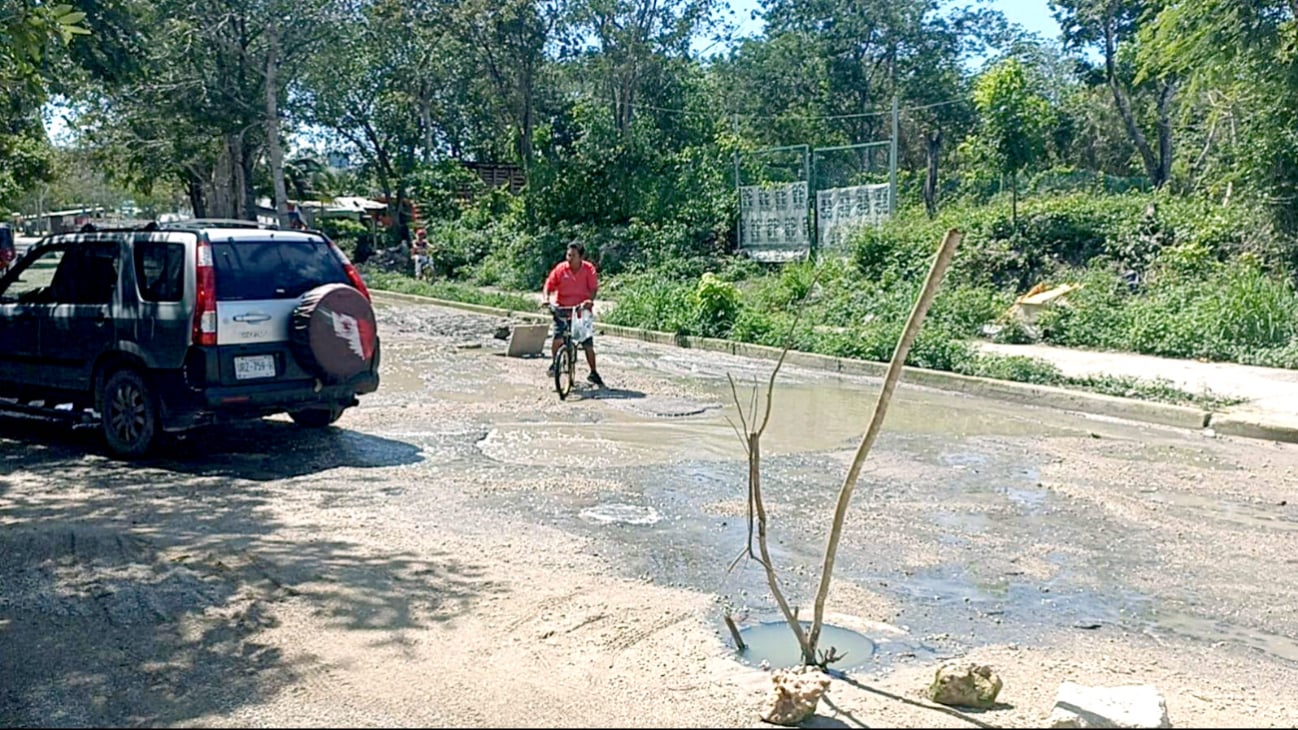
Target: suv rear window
(252, 270)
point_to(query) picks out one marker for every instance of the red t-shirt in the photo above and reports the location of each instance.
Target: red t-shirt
(573, 287)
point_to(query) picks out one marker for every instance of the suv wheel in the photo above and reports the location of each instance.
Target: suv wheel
(317, 417)
(128, 414)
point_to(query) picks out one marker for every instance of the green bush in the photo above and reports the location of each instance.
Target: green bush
(1284, 356)
(738, 268)
(454, 249)
(760, 327)
(715, 306)
(337, 228)
(653, 302)
(1011, 367)
(1222, 313)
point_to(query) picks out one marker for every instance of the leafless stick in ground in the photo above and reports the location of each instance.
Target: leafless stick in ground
(756, 507)
(734, 632)
(944, 255)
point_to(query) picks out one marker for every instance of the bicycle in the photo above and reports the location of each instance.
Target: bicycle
(564, 365)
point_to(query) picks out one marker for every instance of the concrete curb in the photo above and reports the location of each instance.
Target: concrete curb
(1254, 427)
(1061, 398)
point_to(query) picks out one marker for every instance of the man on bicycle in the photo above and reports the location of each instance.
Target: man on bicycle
(572, 283)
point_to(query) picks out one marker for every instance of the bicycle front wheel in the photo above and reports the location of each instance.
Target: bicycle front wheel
(564, 367)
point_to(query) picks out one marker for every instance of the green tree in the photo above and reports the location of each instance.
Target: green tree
(1239, 63)
(397, 88)
(1014, 121)
(633, 43)
(47, 48)
(508, 39)
(827, 71)
(28, 31)
(1107, 25)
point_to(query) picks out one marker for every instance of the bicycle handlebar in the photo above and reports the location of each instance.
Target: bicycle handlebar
(556, 308)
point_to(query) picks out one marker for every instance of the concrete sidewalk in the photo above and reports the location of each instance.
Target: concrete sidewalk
(1269, 410)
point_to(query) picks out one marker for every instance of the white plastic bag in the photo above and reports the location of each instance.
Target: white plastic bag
(583, 326)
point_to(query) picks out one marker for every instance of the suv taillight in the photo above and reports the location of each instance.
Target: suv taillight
(352, 274)
(204, 296)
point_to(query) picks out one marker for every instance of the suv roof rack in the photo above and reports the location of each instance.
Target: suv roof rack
(115, 226)
(218, 223)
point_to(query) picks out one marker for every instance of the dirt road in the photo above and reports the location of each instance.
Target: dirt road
(465, 549)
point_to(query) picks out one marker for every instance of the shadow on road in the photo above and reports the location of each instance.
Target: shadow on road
(965, 714)
(613, 394)
(142, 593)
(253, 450)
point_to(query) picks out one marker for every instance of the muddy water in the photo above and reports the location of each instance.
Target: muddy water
(952, 532)
(805, 419)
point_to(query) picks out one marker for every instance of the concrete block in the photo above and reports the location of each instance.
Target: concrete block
(1079, 706)
(527, 340)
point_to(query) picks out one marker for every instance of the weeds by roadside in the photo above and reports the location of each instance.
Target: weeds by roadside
(449, 290)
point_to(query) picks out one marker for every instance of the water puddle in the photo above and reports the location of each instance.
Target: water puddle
(1031, 501)
(658, 407)
(1253, 516)
(1216, 631)
(773, 644)
(609, 444)
(400, 380)
(620, 514)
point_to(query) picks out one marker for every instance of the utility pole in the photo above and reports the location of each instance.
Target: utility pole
(892, 160)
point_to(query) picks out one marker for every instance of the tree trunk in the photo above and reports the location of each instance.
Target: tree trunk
(218, 184)
(1014, 200)
(1165, 131)
(246, 163)
(1152, 167)
(933, 144)
(194, 187)
(238, 177)
(426, 121)
(525, 138)
(272, 129)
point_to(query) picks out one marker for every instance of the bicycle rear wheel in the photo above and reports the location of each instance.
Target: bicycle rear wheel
(564, 367)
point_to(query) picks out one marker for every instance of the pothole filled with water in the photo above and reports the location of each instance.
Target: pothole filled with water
(773, 644)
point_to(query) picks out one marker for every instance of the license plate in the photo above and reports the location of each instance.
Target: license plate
(254, 366)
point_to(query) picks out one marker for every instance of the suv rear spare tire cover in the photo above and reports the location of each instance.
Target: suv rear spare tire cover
(333, 332)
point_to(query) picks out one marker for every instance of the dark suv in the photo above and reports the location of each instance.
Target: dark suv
(164, 328)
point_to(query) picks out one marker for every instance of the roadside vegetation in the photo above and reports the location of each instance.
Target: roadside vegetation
(1160, 275)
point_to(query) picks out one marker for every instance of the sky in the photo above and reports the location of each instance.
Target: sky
(1033, 15)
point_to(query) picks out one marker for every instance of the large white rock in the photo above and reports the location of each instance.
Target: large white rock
(1127, 706)
(794, 695)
